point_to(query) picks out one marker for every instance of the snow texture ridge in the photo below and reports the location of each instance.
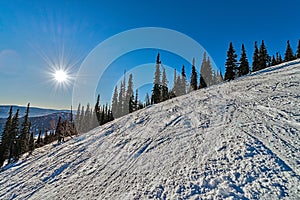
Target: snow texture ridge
(237, 140)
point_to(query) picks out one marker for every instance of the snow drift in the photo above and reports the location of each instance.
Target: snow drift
(237, 140)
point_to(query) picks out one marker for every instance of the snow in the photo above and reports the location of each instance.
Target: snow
(237, 140)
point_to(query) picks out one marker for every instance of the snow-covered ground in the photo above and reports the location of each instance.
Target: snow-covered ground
(237, 140)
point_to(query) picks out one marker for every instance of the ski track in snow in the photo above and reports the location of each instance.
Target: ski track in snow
(237, 140)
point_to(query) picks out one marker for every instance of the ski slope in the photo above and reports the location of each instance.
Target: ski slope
(237, 140)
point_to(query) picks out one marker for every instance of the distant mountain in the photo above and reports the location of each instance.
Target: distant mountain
(40, 118)
(34, 112)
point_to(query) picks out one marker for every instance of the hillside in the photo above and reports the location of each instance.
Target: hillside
(237, 140)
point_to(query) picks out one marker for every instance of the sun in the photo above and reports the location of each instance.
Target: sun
(60, 76)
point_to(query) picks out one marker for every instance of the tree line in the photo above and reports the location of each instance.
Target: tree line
(261, 60)
(125, 100)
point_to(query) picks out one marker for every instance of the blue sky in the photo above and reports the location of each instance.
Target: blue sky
(34, 35)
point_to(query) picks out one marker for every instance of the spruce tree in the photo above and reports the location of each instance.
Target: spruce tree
(244, 64)
(82, 120)
(136, 100)
(87, 118)
(31, 143)
(172, 92)
(120, 100)
(208, 72)
(273, 62)
(156, 92)
(114, 103)
(13, 141)
(193, 82)
(94, 121)
(231, 63)
(164, 85)
(183, 81)
(102, 117)
(202, 82)
(25, 133)
(147, 100)
(77, 118)
(71, 114)
(175, 78)
(46, 138)
(97, 108)
(264, 58)
(278, 58)
(59, 131)
(298, 49)
(289, 55)
(5, 139)
(220, 77)
(255, 60)
(177, 86)
(39, 142)
(122, 97)
(129, 101)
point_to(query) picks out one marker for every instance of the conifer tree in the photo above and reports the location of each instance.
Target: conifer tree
(231, 63)
(103, 115)
(136, 100)
(244, 64)
(220, 77)
(215, 77)
(278, 58)
(82, 120)
(183, 81)
(263, 58)
(147, 100)
(193, 82)
(31, 143)
(87, 118)
(208, 72)
(77, 117)
(202, 82)
(97, 108)
(273, 62)
(122, 96)
(177, 86)
(255, 60)
(25, 133)
(13, 142)
(5, 138)
(39, 142)
(46, 138)
(71, 115)
(94, 121)
(59, 130)
(298, 49)
(129, 102)
(289, 55)
(175, 78)
(114, 104)
(172, 92)
(164, 85)
(156, 92)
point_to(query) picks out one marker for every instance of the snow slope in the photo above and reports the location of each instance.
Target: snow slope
(237, 140)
